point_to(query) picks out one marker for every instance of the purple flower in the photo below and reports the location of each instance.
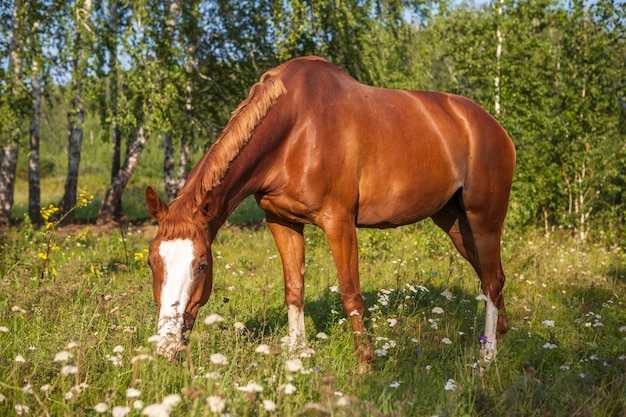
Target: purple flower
(483, 339)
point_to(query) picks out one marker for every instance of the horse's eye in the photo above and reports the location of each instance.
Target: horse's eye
(202, 266)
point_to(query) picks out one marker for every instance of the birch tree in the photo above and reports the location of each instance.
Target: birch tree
(80, 50)
(13, 109)
(135, 103)
(34, 190)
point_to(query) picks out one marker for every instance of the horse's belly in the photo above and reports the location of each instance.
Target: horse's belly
(391, 206)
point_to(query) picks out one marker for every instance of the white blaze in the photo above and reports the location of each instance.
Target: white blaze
(177, 258)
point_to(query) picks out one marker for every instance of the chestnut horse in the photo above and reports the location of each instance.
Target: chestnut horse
(314, 146)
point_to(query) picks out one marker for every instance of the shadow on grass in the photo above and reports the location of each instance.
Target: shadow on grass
(325, 311)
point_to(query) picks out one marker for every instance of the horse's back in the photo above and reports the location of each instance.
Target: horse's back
(394, 156)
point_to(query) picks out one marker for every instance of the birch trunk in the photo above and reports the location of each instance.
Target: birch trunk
(112, 197)
(8, 164)
(116, 137)
(500, 42)
(171, 185)
(169, 172)
(34, 190)
(10, 148)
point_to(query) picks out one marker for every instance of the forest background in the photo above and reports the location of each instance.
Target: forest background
(109, 96)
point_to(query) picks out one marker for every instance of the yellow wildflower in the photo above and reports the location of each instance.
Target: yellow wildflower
(141, 256)
(83, 200)
(47, 212)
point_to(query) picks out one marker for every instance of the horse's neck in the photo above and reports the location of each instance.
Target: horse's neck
(240, 181)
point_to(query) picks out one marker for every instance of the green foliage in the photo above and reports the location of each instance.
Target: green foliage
(78, 342)
(560, 101)
(183, 66)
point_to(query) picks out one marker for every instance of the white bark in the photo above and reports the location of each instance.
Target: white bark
(500, 42)
(114, 193)
(10, 147)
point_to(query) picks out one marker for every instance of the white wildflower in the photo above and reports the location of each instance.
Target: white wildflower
(307, 352)
(219, 359)
(446, 341)
(293, 365)
(481, 297)
(21, 409)
(447, 295)
(213, 318)
(119, 411)
(115, 359)
(251, 387)
(216, 403)
(4, 329)
(437, 310)
(392, 322)
(62, 356)
(141, 357)
(381, 352)
(264, 349)
(321, 336)
(450, 385)
(133, 393)
(334, 288)
(69, 370)
(118, 349)
(289, 388)
(239, 326)
(20, 359)
(269, 405)
(100, 408)
(394, 384)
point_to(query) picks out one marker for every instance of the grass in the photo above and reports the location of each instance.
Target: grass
(564, 356)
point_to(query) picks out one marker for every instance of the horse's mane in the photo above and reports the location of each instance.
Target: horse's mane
(238, 131)
(244, 119)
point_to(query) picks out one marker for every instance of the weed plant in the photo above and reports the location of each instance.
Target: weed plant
(77, 341)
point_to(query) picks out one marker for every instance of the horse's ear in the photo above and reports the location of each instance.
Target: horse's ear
(207, 207)
(156, 207)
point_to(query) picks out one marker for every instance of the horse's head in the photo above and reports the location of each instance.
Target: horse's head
(182, 270)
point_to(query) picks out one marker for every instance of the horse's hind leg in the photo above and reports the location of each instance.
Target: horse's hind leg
(477, 238)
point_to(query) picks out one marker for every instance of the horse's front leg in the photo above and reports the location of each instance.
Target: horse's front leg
(290, 243)
(343, 244)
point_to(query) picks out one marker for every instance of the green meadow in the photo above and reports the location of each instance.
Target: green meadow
(77, 315)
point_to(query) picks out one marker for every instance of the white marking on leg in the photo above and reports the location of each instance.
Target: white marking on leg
(488, 349)
(296, 327)
(177, 257)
